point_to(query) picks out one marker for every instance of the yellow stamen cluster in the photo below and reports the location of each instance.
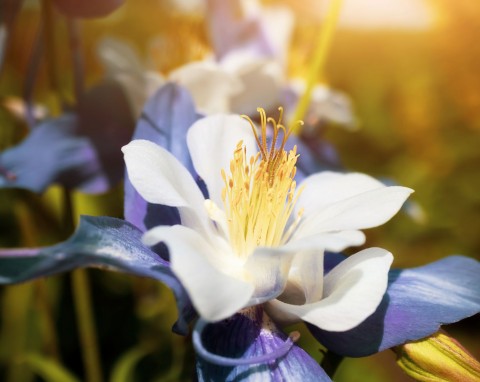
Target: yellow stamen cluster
(260, 193)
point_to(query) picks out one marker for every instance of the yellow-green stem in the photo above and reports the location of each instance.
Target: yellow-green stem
(83, 306)
(16, 309)
(42, 299)
(80, 285)
(317, 66)
(48, 16)
(86, 326)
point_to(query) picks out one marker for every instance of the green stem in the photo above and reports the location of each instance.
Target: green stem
(75, 44)
(32, 74)
(50, 47)
(83, 306)
(17, 301)
(86, 326)
(48, 325)
(317, 66)
(80, 285)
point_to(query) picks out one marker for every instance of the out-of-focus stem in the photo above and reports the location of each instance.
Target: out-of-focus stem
(317, 66)
(80, 285)
(10, 10)
(17, 309)
(31, 76)
(17, 300)
(43, 302)
(86, 325)
(83, 306)
(77, 57)
(50, 48)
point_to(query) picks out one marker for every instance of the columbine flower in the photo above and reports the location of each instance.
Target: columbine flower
(416, 303)
(70, 150)
(257, 230)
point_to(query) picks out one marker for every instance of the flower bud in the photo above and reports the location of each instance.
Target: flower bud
(438, 358)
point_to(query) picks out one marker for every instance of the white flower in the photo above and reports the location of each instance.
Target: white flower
(121, 62)
(259, 235)
(212, 87)
(237, 83)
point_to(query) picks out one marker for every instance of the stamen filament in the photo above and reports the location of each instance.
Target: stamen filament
(260, 192)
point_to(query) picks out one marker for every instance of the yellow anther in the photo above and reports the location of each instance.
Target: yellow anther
(260, 192)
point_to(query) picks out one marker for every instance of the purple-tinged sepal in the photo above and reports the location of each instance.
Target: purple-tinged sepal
(71, 150)
(98, 242)
(249, 347)
(249, 29)
(53, 153)
(417, 302)
(165, 120)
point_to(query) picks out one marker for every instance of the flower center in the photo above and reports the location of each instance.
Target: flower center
(260, 193)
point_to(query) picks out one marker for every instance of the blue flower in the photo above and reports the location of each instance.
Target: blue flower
(70, 150)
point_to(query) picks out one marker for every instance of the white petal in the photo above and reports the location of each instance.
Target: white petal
(335, 241)
(262, 81)
(160, 178)
(118, 57)
(307, 273)
(279, 22)
(305, 269)
(218, 216)
(326, 104)
(267, 268)
(212, 141)
(211, 86)
(153, 82)
(214, 294)
(327, 187)
(352, 292)
(366, 210)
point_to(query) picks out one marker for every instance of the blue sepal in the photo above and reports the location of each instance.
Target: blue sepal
(99, 242)
(417, 302)
(165, 121)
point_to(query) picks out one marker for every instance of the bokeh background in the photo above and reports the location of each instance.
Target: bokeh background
(412, 72)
